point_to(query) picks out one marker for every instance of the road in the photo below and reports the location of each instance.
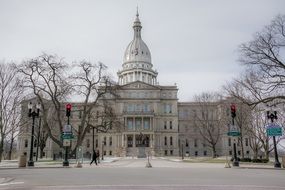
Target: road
(132, 174)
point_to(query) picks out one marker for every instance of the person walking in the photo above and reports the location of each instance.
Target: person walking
(98, 156)
(94, 158)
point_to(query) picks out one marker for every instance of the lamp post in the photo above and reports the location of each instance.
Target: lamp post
(273, 115)
(33, 113)
(102, 158)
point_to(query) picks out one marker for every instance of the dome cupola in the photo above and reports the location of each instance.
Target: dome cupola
(137, 64)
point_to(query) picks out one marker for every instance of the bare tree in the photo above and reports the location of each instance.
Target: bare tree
(93, 84)
(264, 59)
(46, 77)
(209, 120)
(11, 93)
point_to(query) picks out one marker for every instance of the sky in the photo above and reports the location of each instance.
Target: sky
(193, 43)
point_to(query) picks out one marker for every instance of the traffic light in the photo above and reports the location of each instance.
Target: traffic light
(233, 110)
(68, 109)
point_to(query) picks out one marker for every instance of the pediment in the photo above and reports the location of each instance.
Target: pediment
(139, 85)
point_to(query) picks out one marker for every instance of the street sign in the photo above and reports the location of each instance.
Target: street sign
(66, 142)
(234, 133)
(67, 129)
(67, 136)
(274, 131)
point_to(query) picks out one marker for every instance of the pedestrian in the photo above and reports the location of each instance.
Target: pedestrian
(98, 156)
(94, 158)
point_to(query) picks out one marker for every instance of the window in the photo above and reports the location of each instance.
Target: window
(205, 153)
(105, 152)
(246, 141)
(247, 152)
(187, 144)
(35, 143)
(88, 143)
(165, 141)
(138, 123)
(130, 123)
(80, 114)
(239, 152)
(44, 154)
(165, 124)
(34, 154)
(104, 142)
(110, 141)
(230, 142)
(196, 153)
(195, 143)
(26, 143)
(165, 152)
(171, 152)
(146, 123)
(130, 140)
(230, 153)
(96, 142)
(110, 153)
(170, 124)
(171, 143)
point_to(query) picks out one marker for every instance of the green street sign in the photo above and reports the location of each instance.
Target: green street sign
(274, 131)
(234, 133)
(67, 136)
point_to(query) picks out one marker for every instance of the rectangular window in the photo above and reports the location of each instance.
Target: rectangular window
(171, 143)
(88, 143)
(165, 152)
(35, 143)
(165, 124)
(96, 143)
(104, 152)
(130, 123)
(44, 154)
(165, 141)
(239, 152)
(247, 152)
(195, 143)
(171, 152)
(110, 141)
(230, 153)
(130, 140)
(196, 153)
(170, 124)
(138, 123)
(110, 153)
(146, 123)
(230, 141)
(187, 144)
(105, 141)
(26, 143)
(80, 114)
(205, 153)
(246, 141)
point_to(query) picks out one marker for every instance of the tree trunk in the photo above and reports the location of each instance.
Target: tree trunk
(11, 148)
(214, 155)
(1, 147)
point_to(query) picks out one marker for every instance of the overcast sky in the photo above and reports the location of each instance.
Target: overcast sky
(193, 42)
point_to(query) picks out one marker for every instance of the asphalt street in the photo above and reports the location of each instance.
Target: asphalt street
(132, 174)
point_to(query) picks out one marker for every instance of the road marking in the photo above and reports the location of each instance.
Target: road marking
(160, 186)
(11, 183)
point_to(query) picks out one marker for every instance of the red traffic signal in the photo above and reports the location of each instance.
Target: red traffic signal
(68, 109)
(233, 110)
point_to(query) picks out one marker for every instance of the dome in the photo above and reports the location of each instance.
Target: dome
(137, 50)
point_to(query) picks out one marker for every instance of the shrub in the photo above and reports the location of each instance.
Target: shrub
(245, 160)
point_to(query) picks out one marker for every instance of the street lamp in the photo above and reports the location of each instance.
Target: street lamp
(102, 158)
(33, 113)
(273, 115)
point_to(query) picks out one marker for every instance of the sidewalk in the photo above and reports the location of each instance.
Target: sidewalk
(13, 164)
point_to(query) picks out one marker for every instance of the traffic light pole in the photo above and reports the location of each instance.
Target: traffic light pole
(65, 162)
(276, 163)
(235, 162)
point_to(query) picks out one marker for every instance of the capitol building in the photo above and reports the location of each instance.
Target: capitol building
(151, 111)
